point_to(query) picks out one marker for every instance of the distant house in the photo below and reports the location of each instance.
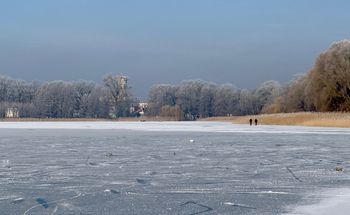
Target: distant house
(12, 113)
(138, 109)
(143, 107)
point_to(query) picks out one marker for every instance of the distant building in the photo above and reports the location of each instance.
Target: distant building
(143, 107)
(12, 113)
(138, 109)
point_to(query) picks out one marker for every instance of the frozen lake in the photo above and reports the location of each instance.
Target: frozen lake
(155, 168)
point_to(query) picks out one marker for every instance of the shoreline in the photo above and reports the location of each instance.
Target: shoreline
(311, 119)
(174, 126)
(124, 119)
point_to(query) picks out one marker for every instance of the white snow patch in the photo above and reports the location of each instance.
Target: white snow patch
(7, 197)
(229, 203)
(335, 202)
(176, 126)
(195, 191)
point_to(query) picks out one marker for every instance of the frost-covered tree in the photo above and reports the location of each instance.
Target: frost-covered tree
(82, 92)
(60, 99)
(188, 98)
(98, 103)
(226, 100)
(328, 83)
(293, 97)
(159, 96)
(206, 100)
(247, 103)
(120, 96)
(55, 100)
(266, 94)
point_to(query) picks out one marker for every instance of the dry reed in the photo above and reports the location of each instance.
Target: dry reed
(329, 119)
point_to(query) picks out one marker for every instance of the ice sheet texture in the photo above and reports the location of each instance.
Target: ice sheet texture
(154, 168)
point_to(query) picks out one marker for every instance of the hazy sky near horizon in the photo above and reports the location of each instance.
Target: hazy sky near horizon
(244, 42)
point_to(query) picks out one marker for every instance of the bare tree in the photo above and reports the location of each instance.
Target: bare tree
(119, 97)
(82, 92)
(55, 100)
(188, 98)
(247, 103)
(159, 96)
(328, 83)
(226, 100)
(266, 94)
(206, 101)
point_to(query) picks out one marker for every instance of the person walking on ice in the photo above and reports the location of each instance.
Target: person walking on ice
(256, 121)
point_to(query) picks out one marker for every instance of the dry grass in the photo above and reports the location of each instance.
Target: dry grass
(221, 119)
(331, 119)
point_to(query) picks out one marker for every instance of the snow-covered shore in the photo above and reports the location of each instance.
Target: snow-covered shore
(176, 126)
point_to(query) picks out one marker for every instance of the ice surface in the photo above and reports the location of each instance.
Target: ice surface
(154, 168)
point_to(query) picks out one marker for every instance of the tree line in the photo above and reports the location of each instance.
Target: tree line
(61, 99)
(326, 87)
(195, 99)
(189, 100)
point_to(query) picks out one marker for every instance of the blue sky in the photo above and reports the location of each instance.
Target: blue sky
(245, 42)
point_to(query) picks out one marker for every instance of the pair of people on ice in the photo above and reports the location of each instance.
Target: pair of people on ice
(251, 122)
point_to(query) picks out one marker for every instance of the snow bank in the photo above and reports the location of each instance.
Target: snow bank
(176, 126)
